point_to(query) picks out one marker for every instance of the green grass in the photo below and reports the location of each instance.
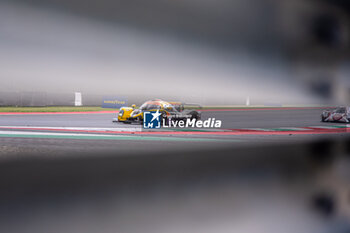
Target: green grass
(54, 109)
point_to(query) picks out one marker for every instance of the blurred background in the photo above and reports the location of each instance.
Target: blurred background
(210, 52)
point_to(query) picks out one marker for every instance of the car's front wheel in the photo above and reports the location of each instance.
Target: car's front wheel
(164, 118)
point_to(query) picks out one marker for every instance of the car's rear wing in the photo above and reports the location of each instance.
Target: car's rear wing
(180, 106)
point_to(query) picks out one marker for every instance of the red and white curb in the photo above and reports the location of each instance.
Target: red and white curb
(140, 131)
(259, 109)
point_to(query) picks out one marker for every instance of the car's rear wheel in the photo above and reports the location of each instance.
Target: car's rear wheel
(195, 115)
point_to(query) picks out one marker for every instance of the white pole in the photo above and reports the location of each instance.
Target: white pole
(247, 102)
(78, 99)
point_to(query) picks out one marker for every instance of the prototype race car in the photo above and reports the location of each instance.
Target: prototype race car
(178, 112)
(340, 114)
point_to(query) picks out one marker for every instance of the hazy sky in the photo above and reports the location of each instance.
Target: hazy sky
(50, 51)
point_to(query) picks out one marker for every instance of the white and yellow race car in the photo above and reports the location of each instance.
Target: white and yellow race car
(169, 110)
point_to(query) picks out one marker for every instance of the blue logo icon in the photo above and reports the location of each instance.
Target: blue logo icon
(151, 120)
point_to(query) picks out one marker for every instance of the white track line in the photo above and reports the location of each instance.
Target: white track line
(55, 134)
(330, 127)
(134, 129)
(256, 129)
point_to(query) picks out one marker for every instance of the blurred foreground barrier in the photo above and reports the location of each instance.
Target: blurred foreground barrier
(287, 188)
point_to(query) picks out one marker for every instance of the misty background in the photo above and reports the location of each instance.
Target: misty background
(209, 52)
(213, 52)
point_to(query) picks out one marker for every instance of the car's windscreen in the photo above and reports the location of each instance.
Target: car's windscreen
(170, 108)
(146, 106)
(340, 110)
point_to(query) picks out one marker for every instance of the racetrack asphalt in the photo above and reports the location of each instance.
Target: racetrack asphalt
(53, 140)
(258, 118)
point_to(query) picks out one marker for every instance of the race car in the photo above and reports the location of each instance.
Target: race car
(340, 114)
(132, 114)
